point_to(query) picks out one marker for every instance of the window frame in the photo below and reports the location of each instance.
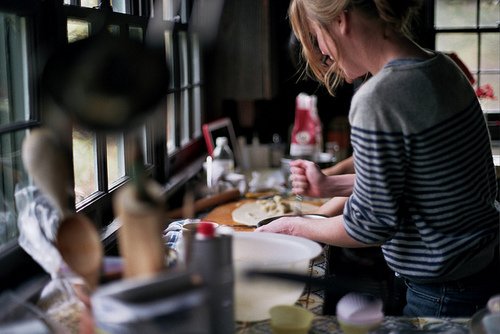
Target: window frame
(48, 31)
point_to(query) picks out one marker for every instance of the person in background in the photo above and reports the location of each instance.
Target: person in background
(425, 185)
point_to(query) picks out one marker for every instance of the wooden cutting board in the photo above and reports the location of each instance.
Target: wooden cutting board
(222, 215)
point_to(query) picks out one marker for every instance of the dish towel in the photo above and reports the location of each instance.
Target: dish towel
(172, 235)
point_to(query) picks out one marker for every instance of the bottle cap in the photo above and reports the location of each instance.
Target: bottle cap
(206, 229)
(221, 141)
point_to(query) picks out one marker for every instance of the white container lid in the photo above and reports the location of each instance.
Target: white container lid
(359, 309)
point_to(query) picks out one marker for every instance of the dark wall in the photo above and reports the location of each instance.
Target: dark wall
(268, 115)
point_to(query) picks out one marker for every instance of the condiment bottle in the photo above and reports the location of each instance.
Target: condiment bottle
(211, 257)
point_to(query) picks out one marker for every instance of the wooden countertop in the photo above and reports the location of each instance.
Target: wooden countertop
(222, 215)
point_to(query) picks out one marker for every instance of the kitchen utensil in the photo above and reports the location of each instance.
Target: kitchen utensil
(268, 220)
(140, 236)
(252, 212)
(108, 82)
(172, 302)
(336, 284)
(254, 296)
(77, 238)
(207, 202)
(45, 163)
(80, 247)
(298, 204)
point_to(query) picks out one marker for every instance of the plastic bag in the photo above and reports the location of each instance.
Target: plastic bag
(67, 303)
(65, 299)
(38, 222)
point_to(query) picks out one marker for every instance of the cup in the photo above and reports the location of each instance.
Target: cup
(290, 319)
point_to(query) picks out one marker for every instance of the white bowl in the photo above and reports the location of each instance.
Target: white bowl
(254, 296)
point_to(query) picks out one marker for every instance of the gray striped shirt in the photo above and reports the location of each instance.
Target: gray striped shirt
(425, 181)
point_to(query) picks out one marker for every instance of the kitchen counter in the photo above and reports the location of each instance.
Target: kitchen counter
(313, 299)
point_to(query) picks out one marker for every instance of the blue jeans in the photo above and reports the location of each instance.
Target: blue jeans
(460, 298)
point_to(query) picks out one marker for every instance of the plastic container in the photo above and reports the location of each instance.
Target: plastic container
(359, 313)
(290, 319)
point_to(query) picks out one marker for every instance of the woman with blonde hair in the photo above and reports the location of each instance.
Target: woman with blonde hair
(424, 186)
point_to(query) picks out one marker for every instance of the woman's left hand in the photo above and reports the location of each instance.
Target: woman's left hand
(284, 225)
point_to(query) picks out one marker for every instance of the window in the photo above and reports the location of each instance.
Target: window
(100, 160)
(15, 116)
(471, 29)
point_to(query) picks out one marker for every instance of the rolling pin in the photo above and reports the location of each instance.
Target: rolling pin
(207, 202)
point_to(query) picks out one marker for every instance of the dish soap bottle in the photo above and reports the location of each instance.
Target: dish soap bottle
(223, 160)
(211, 257)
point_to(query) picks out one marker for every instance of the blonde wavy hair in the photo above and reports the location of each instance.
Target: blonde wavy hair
(397, 14)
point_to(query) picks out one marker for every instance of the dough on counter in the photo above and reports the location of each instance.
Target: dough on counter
(275, 206)
(253, 212)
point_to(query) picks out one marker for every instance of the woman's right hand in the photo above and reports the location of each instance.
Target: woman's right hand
(306, 178)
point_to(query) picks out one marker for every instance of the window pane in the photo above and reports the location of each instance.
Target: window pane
(184, 11)
(489, 13)
(77, 29)
(89, 3)
(170, 9)
(135, 33)
(114, 29)
(455, 13)
(84, 163)
(463, 44)
(184, 60)
(195, 58)
(490, 51)
(115, 158)
(185, 106)
(119, 6)
(12, 178)
(169, 51)
(170, 123)
(13, 75)
(144, 145)
(197, 111)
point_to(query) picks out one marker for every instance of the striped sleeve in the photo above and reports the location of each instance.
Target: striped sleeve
(427, 196)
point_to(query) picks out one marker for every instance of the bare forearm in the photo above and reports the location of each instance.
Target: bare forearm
(330, 231)
(343, 167)
(338, 185)
(333, 207)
